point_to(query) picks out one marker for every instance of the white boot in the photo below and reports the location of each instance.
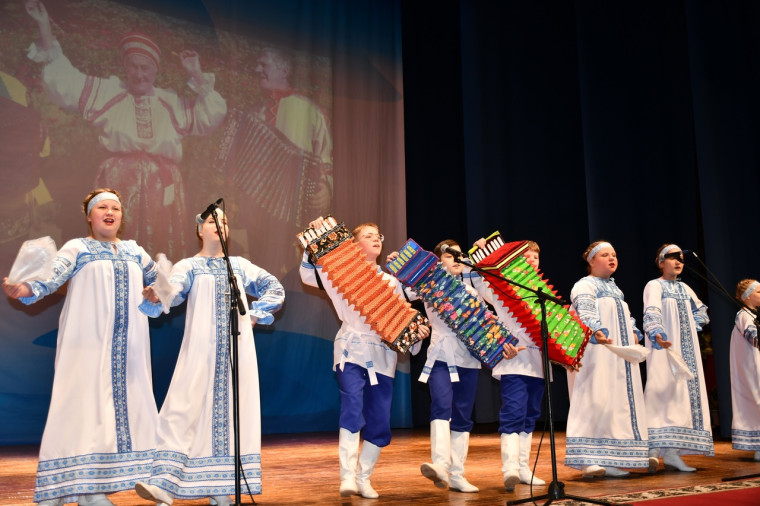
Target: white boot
(94, 500)
(367, 460)
(153, 493)
(51, 502)
(672, 460)
(654, 459)
(440, 452)
(460, 443)
(592, 471)
(526, 475)
(510, 460)
(220, 500)
(757, 455)
(615, 472)
(348, 454)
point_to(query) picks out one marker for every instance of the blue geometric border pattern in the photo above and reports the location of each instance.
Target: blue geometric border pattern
(119, 355)
(96, 473)
(220, 412)
(745, 440)
(188, 478)
(624, 453)
(683, 438)
(624, 341)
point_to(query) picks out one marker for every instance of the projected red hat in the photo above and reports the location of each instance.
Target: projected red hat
(139, 43)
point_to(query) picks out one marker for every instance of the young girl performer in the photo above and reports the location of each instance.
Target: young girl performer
(677, 412)
(745, 371)
(194, 451)
(100, 431)
(453, 380)
(365, 368)
(606, 425)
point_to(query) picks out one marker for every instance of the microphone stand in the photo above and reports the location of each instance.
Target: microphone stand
(556, 489)
(236, 306)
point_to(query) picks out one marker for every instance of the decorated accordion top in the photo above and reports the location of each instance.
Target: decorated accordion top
(479, 329)
(568, 336)
(359, 282)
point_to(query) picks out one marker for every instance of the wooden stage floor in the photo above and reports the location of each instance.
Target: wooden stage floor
(303, 469)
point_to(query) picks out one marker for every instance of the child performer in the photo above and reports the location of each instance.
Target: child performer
(606, 425)
(745, 371)
(677, 412)
(102, 415)
(365, 368)
(195, 455)
(521, 382)
(452, 375)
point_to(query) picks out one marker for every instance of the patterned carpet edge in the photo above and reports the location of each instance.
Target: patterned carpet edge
(647, 495)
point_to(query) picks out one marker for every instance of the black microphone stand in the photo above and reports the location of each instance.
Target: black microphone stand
(236, 306)
(556, 489)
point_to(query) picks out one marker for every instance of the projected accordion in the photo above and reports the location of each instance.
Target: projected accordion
(568, 336)
(359, 282)
(479, 329)
(268, 167)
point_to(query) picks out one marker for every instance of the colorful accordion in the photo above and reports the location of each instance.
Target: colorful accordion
(359, 282)
(268, 167)
(479, 329)
(568, 336)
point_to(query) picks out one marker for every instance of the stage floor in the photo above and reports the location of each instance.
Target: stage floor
(303, 469)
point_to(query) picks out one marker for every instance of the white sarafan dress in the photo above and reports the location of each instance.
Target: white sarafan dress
(100, 431)
(606, 425)
(195, 441)
(678, 415)
(745, 383)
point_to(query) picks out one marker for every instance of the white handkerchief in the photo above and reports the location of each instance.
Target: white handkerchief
(34, 261)
(678, 367)
(634, 353)
(161, 286)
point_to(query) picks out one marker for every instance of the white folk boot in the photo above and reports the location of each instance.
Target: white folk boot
(440, 452)
(510, 460)
(526, 475)
(51, 502)
(757, 455)
(367, 460)
(460, 443)
(672, 460)
(348, 455)
(153, 493)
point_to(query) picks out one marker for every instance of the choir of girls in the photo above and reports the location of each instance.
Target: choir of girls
(184, 451)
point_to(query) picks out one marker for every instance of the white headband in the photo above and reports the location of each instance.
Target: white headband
(750, 290)
(597, 249)
(666, 250)
(101, 196)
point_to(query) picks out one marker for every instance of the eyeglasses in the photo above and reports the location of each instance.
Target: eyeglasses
(372, 235)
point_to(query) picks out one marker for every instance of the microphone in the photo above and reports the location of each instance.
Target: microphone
(458, 255)
(210, 209)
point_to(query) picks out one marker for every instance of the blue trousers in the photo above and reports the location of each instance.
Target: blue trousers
(521, 398)
(453, 400)
(364, 406)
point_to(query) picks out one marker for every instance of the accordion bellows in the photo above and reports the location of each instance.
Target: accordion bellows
(568, 336)
(479, 329)
(361, 285)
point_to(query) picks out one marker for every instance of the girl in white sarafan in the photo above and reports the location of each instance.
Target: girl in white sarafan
(606, 425)
(195, 436)
(100, 431)
(745, 371)
(677, 411)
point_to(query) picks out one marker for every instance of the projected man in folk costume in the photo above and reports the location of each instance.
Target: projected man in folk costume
(140, 125)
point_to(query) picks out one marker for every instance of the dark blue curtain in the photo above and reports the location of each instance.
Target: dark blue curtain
(567, 122)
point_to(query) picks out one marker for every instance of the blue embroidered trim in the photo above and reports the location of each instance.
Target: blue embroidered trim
(696, 441)
(745, 439)
(624, 341)
(95, 473)
(689, 356)
(119, 355)
(189, 478)
(220, 411)
(624, 453)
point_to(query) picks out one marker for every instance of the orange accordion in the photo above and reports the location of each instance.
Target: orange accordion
(268, 167)
(568, 336)
(359, 282)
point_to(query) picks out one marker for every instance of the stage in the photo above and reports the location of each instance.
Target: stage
(303, 469)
